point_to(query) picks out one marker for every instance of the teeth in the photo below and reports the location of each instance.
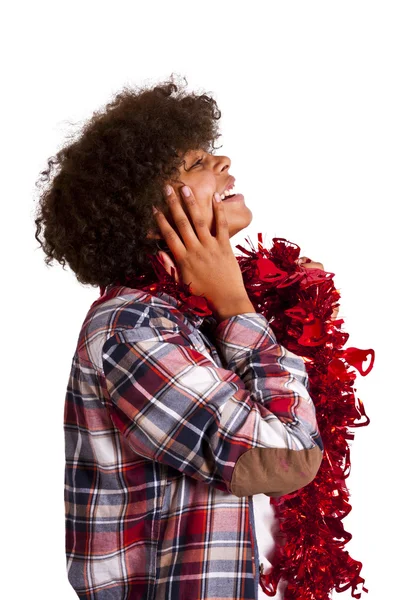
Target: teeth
(228, 193)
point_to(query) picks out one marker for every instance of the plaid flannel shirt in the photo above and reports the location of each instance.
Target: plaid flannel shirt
(169, 431)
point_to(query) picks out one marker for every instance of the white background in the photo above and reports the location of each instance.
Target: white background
(309, 94)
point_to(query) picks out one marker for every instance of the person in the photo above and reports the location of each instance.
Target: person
(173, 421)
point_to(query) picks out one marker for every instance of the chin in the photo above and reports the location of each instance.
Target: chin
(240, 224)
(236, 222)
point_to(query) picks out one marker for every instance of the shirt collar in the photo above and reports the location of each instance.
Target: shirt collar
(196, 320)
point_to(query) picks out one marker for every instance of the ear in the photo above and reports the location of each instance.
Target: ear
(168, 263)
(163, 257)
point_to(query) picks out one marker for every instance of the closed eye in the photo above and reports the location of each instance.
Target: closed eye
(197, 163)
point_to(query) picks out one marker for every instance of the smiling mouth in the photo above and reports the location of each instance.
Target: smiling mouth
(228, 194)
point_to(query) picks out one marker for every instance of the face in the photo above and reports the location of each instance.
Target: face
(205, 174)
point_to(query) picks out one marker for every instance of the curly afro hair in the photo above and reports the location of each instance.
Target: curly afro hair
(96, 211)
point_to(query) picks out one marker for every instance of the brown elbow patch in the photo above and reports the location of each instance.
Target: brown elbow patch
(274, 471)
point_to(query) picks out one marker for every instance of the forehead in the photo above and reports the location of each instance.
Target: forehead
(193, 153)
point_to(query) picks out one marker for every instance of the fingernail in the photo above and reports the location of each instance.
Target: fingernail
(217, 197)
(168, 190)
(186, 191)
(155, 210)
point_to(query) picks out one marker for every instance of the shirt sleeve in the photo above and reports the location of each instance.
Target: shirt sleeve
(248, 427)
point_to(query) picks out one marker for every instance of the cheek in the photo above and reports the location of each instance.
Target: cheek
(203, 187)
(204, 201)
(203, 194)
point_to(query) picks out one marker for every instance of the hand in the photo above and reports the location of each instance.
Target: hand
(307, 263)
(205, 262)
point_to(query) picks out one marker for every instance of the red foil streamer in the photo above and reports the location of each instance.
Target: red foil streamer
(298, 302)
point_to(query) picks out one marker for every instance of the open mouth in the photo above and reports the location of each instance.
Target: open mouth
(228, 194)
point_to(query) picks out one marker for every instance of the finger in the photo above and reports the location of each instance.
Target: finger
(201, 227)
(307, 263)
(313, 265)
(303, 259)
(180, 217)
(169, 234)
(221, 224)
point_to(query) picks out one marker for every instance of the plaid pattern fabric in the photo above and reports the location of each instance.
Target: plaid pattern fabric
(157, 416)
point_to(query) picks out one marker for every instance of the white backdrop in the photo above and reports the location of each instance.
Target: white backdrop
(309, 93)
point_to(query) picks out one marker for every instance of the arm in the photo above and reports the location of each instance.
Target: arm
(247, 428)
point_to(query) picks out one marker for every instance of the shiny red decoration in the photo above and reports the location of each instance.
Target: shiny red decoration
(310, 550)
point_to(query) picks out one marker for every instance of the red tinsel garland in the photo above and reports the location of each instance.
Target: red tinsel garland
(298, 303)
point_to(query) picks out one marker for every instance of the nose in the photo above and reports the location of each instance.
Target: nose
(222, 163)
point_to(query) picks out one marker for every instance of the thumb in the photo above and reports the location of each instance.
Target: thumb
(168, 264)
